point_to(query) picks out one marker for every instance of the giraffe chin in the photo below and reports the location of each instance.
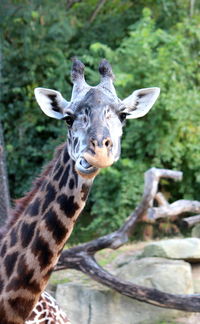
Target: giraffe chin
(85, 170)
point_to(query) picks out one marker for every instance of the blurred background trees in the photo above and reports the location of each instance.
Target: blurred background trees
(149, 43)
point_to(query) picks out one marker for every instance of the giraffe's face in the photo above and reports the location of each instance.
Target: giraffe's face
(94, 131)
(95, 118)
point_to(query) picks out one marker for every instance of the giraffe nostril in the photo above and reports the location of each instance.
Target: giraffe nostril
(108, 142)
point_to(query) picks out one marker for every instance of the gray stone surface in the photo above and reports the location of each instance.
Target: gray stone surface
(172, 276)
(196, 231)
(94, 304)
(185, 249)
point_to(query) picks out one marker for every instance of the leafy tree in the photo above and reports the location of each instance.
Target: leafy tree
(169, 136)
(155, 46)
(35, 43)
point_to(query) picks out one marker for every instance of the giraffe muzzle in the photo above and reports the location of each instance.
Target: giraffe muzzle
(101, 159)
(89, 164)
(100, 153)
(85, 169)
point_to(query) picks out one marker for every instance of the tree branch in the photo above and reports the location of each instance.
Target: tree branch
(190, 221)
(174, 209)
(87, 264)
(96, 11)
(4, 191)
(192, 5)
(161, 200)
(82, 258)
(70, 3)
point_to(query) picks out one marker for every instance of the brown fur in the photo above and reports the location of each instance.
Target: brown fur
(22, 203)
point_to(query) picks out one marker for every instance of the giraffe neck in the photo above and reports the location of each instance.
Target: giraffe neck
(33, 244)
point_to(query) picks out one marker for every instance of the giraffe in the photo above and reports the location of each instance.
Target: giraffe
(42, 221)
(47, 311)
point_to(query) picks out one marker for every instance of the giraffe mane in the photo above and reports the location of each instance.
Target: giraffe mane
(22, 203)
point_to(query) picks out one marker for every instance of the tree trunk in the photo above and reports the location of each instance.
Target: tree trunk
(4, 193)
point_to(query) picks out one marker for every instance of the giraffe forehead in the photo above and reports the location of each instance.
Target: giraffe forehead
(96, 99)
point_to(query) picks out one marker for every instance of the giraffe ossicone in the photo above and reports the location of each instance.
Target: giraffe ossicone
(34, 236)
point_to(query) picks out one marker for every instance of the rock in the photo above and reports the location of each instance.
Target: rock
(93, 306)
(196, 231)
(94, 303)
(172, 276)
(187, 249)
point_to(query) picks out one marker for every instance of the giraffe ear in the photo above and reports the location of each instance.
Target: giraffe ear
(140, 102)
(51, 102)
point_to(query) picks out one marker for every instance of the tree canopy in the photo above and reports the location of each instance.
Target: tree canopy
(149, 43)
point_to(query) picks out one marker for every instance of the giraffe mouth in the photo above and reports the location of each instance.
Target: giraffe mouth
(85, 168)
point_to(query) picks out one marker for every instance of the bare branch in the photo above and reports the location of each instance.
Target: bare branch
(97, 9)
(70, 3)
(82, 257)
(161, 200)
(4, 191)
(192, 5)
(190, 221)
(121, 236)
(87, 264)
(174, 209)
(152, 178)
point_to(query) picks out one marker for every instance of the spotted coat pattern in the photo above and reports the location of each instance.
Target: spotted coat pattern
(47, 311)
(33, 239)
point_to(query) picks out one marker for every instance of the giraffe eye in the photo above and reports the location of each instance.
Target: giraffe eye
(69, 120)
(122, 116)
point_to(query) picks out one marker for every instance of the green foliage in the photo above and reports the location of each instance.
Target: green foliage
(158, 45)
(168, 137)
(118, 198)
(35, 43)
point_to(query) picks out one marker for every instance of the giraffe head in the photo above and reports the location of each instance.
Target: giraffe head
(95, 117)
